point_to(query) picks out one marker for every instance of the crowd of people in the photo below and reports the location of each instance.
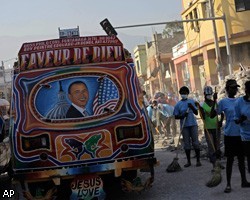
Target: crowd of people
(164, 111)
(160, 110)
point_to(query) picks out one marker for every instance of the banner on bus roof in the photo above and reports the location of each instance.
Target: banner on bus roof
(70, 51)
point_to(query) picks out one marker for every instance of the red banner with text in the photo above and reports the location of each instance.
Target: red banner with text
(70, 51)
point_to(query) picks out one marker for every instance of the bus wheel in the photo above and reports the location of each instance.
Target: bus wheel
(129, 175)
(39, 190)
(49, 195)
(10, 170)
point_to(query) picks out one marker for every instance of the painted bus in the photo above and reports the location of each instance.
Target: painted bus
(78, 117)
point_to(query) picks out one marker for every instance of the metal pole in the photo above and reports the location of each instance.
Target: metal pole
(230, 62)
(162, 88)
(163, 23)
(217, 48)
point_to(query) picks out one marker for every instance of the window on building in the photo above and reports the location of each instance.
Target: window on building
(242, 5)
(196, 23)
(205, 9)
(187, 18)
(190, 16)
(186, 75)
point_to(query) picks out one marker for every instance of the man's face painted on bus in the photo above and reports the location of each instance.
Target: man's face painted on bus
(79, 94)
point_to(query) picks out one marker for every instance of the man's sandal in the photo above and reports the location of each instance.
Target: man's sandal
(228, 189)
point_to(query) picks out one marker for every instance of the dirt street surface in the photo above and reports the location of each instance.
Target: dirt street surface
(188, 184)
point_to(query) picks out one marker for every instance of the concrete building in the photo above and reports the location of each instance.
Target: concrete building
(5, 83)
(200, 59)
(180, 59)
(160, 70)
(140, 60)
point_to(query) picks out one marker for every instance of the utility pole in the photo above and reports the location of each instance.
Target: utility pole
(229, 55)
(161, 81)
(217, 47)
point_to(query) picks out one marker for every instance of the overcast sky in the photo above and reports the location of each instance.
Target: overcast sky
(39, 19)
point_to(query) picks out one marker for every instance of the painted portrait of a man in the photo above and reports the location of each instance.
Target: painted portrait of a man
(78, 94)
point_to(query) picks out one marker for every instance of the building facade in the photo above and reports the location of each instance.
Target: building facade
(206, 64)
(5, 83)
(140, 60)
(159, 74)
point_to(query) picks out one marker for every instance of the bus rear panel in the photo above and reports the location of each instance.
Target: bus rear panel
(59, 142)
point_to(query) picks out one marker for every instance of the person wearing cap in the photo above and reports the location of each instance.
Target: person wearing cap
(211, 126)
(185, 109)
(232, 139)
(242, 117)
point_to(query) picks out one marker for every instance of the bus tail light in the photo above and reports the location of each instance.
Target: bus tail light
(129, 132)
(34, 143)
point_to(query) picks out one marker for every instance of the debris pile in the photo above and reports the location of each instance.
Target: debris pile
(241, 76)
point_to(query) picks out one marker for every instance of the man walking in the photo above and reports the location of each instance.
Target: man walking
(168, 120)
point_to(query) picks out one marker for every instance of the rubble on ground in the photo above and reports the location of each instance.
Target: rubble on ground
(241, 76)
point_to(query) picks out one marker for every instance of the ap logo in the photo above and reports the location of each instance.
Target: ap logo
(8, 193)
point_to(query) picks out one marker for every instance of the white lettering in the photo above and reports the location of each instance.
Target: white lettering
(24, 62)
(32, 62)
(58, 57)
(96, 53)
(49, 58)
(9, 193)
(66, 56)
(77, 55)
(70, 56)
(40, 58)
(85, 51)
